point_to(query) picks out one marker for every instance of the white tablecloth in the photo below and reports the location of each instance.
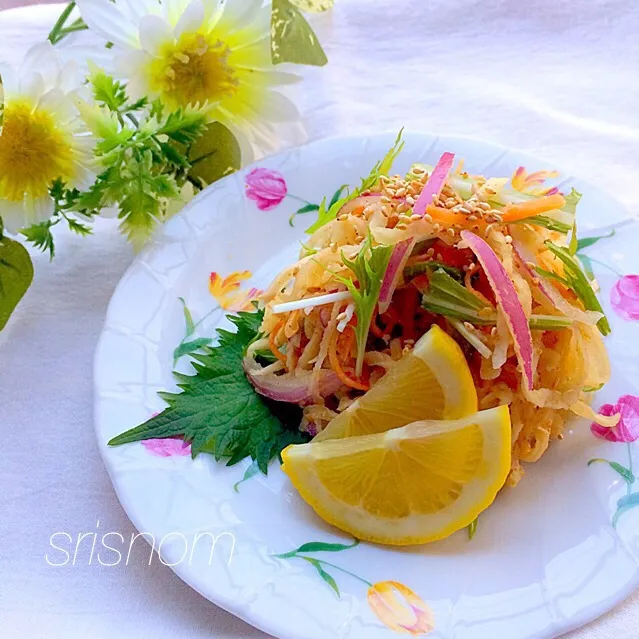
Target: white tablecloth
(552, 77)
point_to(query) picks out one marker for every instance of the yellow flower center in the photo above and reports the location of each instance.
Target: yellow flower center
(194, 69)
(33, 152)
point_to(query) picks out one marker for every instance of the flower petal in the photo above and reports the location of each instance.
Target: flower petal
(192, 18)
(154, 32)
(278, 108)
(106, 18)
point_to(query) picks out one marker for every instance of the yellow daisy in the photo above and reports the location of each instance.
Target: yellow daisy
(42, 137)
(212, 52)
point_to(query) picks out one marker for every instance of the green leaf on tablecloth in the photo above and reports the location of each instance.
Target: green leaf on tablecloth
(292, 39)
(40, 236)
(16, 275)
(215, 154)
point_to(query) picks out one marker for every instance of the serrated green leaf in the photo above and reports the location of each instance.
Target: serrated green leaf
(40, 236)
(218, 411)
(322, 573)
(107, 90)
(292, 39)
(215, 154)
(78, 227)
(16, 275)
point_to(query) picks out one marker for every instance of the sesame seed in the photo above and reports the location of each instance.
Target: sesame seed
(410, 199)
(472, 218)
(430, 252)
(469, 326)
(415, 216)
(417, 170)
(384, 199)
(435, 198)
(428, 217)
(451, 231)
(508, 239)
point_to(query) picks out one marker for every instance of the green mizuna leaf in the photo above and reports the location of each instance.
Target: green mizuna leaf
(292, 39)
(218, 411)
(572, 200)
(576, 279)
(16, 275)
(383, 167)
(369, 267)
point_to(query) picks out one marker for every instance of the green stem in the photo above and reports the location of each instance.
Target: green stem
(610, 268)
(299, 199)
(346, 572)
(54, 36)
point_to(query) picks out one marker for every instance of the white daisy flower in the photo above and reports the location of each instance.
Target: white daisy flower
(201, 51)
(42, 137)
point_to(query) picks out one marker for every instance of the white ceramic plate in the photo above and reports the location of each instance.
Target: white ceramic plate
(545, 558)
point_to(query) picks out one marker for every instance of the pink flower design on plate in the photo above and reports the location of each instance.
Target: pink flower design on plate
(266, 187)
(167, 447)
(627, 430)
(624, 297)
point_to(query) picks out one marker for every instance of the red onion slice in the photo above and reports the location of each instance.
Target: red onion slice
(435, 183)
(508, 302)
(288, 388)
(401, 253)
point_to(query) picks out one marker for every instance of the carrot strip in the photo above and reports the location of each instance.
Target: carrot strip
(522, 210)
(374, 329)
(440, 214)
(273, 346)
(337, 367)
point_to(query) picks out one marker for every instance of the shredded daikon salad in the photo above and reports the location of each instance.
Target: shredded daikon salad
(491, 260)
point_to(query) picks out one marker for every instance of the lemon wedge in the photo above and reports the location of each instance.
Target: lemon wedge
(431, 382)
(409, 485)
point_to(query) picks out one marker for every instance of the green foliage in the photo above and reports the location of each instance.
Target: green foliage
(292, 39)
(382, 167)
(575, 279)
(16, 275)
(40, 236)
(215, 154)
(369, 267)
(218, 410)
